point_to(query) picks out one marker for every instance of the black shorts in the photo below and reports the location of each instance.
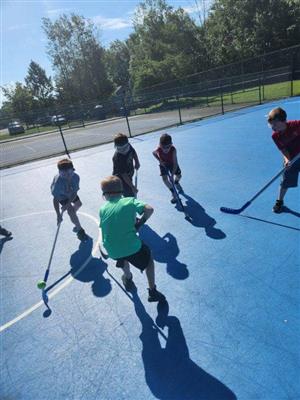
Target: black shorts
(64, 202)
(139, 259)
(169, 167)
(127, 191)
(290, 176)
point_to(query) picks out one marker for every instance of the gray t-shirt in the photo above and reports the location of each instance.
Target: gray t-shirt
(65, 189)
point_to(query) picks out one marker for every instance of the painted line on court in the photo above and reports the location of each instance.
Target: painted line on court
(64, 284)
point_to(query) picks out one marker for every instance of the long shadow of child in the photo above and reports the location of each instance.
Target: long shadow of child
(201, 219)
(164, 250)
(92, 271)
(169, 371)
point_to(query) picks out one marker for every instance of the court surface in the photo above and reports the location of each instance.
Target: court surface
(230, 329)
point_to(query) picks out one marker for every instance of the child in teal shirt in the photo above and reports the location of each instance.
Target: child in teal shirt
(118, 224)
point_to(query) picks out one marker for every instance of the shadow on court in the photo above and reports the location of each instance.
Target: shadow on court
(164, 250)
(92, 272)
(169, 371)
(289, 211)
(3, 241)
(201, 219)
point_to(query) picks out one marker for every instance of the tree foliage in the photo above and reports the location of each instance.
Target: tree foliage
(77, 58)
(19, 99)
(39, 85)
(238, 29)
(117, 62)
(166, 44)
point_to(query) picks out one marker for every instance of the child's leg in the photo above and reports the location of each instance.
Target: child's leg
(126, 269)
(77, 204)
(167, 181)
(73, 216)
(150, 274)
(282, 192)
(177, 178)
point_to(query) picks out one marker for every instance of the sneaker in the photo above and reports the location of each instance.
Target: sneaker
(173, 200)
(5, 232)
(75, 229)
(155, 295)
(278, 207)
(127, 282)
(82, 235)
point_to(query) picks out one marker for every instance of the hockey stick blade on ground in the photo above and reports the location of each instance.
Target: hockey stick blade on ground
(187, 217)
(247, 204)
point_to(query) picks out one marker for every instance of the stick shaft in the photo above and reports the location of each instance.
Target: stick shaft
(274, 178)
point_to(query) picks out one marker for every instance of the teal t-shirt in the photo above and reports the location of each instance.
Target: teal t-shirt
(117, 219)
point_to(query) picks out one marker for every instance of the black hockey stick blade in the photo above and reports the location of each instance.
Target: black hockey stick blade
(228, 210)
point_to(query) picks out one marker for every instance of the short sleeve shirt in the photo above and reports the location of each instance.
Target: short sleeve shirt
(167, 158)
(289, 140)
(63, 188)
(123, 163)
(117, 220)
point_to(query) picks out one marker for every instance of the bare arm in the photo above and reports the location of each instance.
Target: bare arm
(148, 211)
(175, 162)
(286, 156)
(136, 161)
(128, 181)
(56, 208)
(155, 155)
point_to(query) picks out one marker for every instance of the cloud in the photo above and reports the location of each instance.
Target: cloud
(111, 23)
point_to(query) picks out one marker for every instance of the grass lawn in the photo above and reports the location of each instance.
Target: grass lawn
(249, 95)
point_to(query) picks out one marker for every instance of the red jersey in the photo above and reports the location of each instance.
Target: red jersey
(165, 157)
(289, 139)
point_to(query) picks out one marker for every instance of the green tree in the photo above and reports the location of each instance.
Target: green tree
(166, 44)
(237, 29)
(78, 59)
(19, 100)
(40, 85)
(117, 62)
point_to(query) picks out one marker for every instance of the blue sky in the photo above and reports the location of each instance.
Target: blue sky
(23, 40)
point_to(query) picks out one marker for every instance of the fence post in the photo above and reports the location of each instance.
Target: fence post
(222, 100)
(259, 89)
(63, 139)
(179, 111)
(231, 95)
(292, 74)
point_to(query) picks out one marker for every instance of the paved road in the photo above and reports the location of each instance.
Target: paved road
(34, 147)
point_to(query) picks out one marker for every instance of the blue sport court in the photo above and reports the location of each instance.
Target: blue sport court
(230, 328)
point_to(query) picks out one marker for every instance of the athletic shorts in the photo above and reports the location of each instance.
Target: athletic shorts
(169, 167)
(127, 191)
(139, 259)
(290, 176)
(64, 202)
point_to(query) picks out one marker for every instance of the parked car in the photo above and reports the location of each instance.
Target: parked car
(15, 127)
(99, 112)
(58, 120)
(43, 121)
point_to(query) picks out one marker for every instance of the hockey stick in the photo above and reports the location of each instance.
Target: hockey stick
(247, 204)
(187, 217)
(136, 180)
(42, 284)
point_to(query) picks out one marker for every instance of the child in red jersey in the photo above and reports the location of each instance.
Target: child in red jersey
(286, 135)
(166, 154)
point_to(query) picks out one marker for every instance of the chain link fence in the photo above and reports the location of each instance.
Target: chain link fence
(58, 131)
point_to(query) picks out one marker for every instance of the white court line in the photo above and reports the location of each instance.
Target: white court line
(64, 284)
